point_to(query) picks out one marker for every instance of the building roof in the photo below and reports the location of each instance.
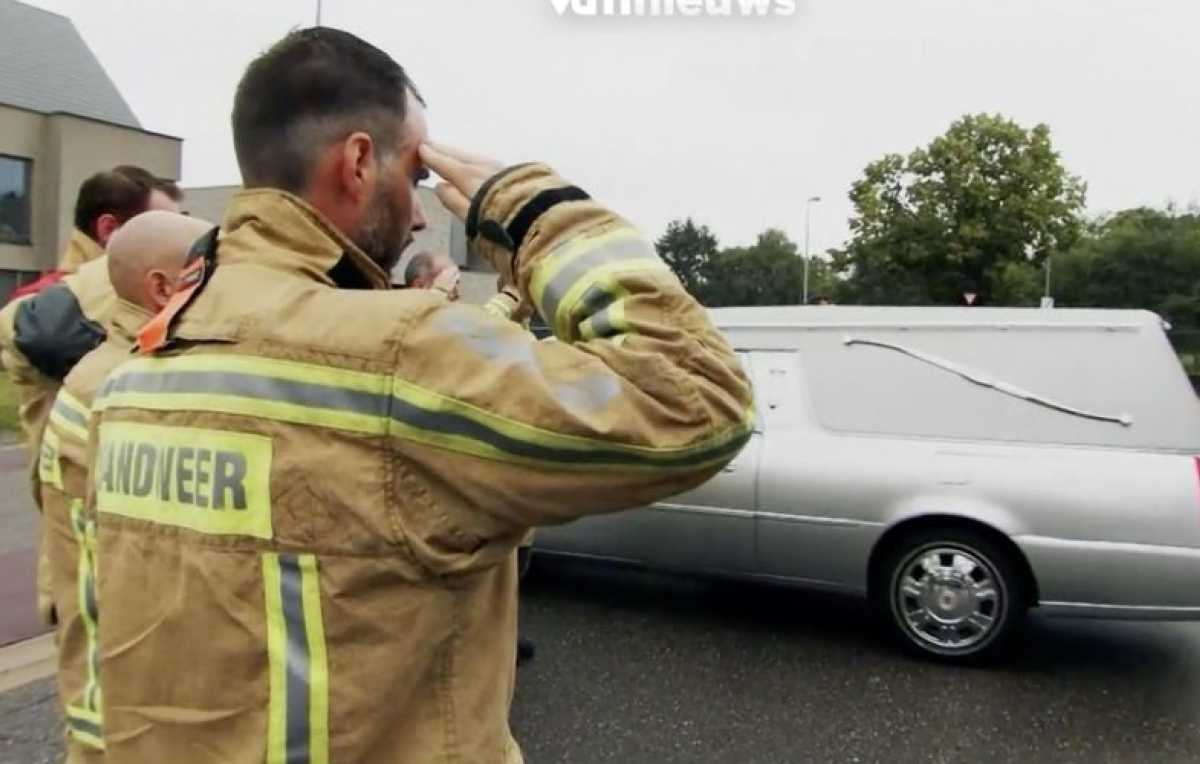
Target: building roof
(45, 66)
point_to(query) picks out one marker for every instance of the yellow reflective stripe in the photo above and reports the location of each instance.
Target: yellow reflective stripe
(447, 407)
(404, 410)
(609, 323)
(605, 276)
(219, 369)
(67, 427)
(67, 421)
(298, 707)
(71, 402)
(84, 726)
(318, 673)
(280, 411)
(49, 466)
(616, 317)
(86, 589)
(296, 371)
(549, 267)
(500, 306)
(84, 714)
(277, 658)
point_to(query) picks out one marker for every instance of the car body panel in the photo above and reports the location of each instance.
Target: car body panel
(1094, 476)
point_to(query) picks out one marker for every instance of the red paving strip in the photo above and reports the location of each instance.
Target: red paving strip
(18, 597)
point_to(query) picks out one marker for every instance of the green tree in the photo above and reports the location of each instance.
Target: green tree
(768, 272)
(981, 207)
(1138, 258)
(688, 249)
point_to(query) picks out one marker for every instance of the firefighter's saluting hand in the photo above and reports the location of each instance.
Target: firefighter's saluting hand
(463, 175)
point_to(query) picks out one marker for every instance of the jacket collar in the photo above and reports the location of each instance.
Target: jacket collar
(126, 321)
(274, 229)
(80, 249)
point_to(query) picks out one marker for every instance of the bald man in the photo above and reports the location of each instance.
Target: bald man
(145, 257)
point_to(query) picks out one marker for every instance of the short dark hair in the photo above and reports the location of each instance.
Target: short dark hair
(418, 266)
(123, 191)
(312, 87)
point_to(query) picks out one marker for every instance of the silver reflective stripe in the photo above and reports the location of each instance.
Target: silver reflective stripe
(594, 300)
(85, 726)
(92, 701)
(251, 386)
(309, 395)
(609, 252)
(451, 424)
(602, 324)
(291, 598)
(85, 533)
(70, 414)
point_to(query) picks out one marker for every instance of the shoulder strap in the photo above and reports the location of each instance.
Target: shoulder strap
(201, 262)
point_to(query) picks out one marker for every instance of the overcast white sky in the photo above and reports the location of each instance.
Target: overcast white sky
(732, 121)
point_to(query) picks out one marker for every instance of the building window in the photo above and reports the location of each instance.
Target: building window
(16, 176)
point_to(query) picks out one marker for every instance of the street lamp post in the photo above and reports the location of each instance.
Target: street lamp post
(1046, 299)
(807, 230)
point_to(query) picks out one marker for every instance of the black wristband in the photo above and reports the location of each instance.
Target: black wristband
(477, 200)
(538, 206)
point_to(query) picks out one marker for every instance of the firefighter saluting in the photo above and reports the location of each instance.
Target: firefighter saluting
(310, 488)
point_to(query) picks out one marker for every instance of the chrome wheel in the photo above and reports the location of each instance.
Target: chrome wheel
(950, 599)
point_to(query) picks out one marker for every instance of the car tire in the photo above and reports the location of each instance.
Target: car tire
(953, 594)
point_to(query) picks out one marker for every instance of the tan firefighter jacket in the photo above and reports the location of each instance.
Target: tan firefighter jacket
(42, 336)
(309, 501)
(81, 249)
(69, 533)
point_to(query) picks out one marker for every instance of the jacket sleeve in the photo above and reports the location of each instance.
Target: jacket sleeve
(35, 391)
(42, 336)
(637, 397)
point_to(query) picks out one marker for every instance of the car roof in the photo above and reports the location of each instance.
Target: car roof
(842, 316)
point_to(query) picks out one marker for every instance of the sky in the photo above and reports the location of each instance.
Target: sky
(733, 121)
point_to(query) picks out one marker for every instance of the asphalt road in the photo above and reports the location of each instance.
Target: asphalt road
(634, 667)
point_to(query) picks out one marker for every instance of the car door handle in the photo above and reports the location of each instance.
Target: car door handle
(729, 468)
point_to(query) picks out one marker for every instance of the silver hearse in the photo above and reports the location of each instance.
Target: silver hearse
(956, 466)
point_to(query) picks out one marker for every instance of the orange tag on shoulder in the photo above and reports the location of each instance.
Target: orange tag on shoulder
(192, 278)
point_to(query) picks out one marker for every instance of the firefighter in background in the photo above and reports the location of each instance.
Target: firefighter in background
(40, 341)
(105, 201)
(143, 259)
(50, 324)
(426, 271)
(310, 487)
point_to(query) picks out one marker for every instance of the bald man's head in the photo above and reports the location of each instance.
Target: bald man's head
(146, 254)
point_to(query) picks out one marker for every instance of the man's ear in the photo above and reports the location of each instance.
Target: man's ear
(359, 170)
(104, 227)
(159, 289)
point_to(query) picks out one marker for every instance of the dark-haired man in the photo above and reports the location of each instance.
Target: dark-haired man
(50, 324)
(40, 340)
(310, 488)
(34, 335)
(106, 201)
